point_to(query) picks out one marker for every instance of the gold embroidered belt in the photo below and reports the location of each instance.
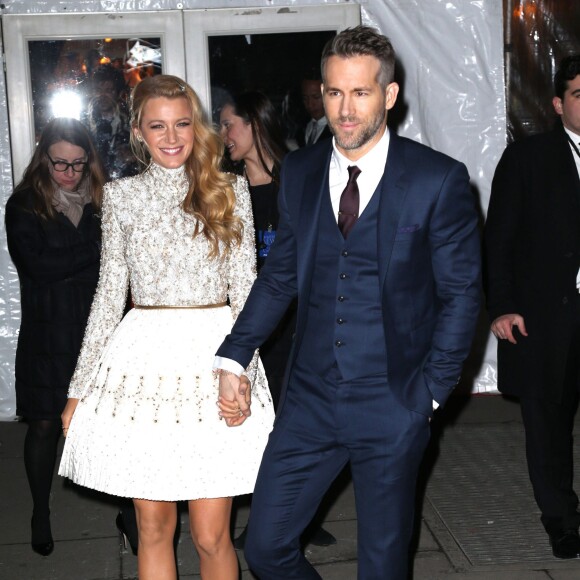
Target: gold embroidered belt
(160, 306)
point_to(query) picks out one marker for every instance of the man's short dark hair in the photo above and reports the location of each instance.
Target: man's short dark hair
(363, 41)
(568, 70)
(107, 72)
(312, 74)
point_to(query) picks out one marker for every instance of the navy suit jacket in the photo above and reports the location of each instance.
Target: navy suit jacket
(429, 266)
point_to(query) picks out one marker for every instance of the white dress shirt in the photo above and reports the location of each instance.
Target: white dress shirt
(371, 165)
(314, 130)
(576, 140)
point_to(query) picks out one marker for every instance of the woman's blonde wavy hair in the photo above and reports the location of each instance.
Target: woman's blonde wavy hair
(210, 197)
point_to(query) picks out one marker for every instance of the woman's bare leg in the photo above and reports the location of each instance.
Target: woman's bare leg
(209, 520)
(156, 521)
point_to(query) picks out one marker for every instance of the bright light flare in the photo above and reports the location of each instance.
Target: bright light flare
(66, 104)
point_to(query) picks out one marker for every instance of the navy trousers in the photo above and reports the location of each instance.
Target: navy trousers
(324, 423)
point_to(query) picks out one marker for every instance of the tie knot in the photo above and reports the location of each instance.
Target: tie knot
(353, 173)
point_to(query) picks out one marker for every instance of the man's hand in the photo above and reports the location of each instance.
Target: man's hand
(67, 414)
(245, 390)
(502, 327)
(234, 399)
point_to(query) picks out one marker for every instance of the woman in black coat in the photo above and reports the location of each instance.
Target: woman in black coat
(53, 231)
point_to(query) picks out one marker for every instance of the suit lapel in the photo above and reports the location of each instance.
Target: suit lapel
(567, 174)
(394, 187)
(393, 191)
(314, 189)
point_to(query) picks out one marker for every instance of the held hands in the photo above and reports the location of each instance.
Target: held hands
(67, 414)
(502, 327)
(234, 398)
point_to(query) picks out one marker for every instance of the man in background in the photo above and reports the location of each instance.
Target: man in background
(532, 247)
(317, 128)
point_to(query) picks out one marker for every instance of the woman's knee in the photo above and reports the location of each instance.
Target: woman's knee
(210, 541)
(209, 522)
(155, 526)
(44, 429)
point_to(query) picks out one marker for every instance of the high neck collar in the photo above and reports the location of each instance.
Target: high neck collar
(170, 184)
(177, 174)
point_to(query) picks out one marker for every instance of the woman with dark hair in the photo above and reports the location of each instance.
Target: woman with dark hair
(53, 232)
(141, 420)
(254, 138)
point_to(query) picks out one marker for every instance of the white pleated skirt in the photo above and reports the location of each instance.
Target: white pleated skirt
(148, 425)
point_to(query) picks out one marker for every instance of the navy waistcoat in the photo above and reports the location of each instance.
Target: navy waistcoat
(344, 321)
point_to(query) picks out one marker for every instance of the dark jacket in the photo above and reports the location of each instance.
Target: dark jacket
(58, 268)
(532, 256)
(429, 267)
(301, 137)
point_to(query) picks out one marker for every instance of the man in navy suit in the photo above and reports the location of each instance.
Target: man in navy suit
(532, 243)
(378, 240)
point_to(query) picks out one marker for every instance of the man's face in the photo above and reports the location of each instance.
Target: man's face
(312, 99)
(569, 107)
(106, 88)
(356, 106)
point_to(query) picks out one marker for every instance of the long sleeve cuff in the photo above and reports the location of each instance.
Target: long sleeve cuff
(227, 364)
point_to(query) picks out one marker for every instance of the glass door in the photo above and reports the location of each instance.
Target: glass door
(84, 66)
(267, 49)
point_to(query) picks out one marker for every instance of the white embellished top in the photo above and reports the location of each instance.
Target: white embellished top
(148, 244)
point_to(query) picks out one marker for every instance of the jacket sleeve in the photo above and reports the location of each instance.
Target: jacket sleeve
(456, 262)
(109, 301)
(32, 255)
(501, 235)
(270, 295)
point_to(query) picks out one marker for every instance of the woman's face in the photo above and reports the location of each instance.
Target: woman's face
(167, 129)
(62, 153)
(237, 134)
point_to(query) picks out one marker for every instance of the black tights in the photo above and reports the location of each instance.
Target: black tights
(39, 459)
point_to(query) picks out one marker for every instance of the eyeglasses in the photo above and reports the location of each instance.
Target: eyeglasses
(62, 166)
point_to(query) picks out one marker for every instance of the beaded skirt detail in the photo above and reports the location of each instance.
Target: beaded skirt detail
(147, 425)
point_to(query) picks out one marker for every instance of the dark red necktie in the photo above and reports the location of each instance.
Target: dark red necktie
(349, 202)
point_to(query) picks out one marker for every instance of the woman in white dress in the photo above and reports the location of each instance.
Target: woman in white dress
(141, 420)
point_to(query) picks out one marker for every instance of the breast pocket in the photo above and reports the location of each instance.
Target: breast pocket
(409, 249)
(408, 233)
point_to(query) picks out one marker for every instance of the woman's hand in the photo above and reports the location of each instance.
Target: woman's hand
(235, 398)
(67, 414)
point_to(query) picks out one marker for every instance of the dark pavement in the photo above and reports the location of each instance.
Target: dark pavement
(476, 518)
